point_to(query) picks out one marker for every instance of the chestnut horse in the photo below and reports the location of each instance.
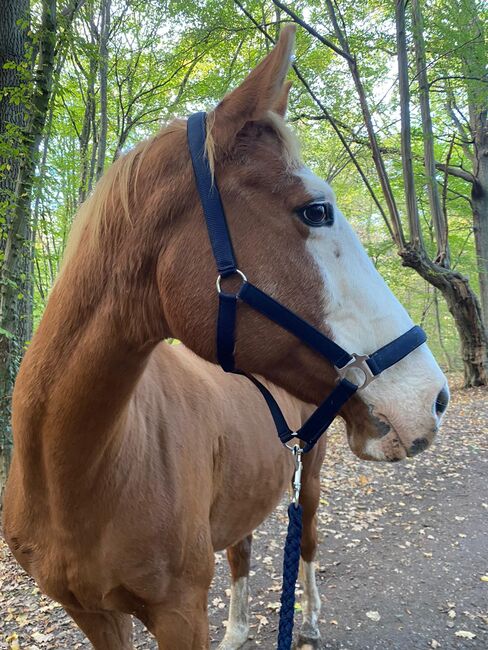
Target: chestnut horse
(133, 461)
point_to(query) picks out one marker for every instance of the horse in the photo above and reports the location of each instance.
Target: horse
(131, 463)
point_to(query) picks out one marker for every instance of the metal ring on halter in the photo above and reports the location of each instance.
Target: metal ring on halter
(358, 361)
(290, 447)
(219, 279)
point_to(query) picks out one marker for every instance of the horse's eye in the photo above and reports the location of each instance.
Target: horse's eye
(317, 214)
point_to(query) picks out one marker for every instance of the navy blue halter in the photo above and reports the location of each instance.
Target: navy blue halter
(221, 242)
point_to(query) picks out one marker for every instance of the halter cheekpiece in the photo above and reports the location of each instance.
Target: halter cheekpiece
(370, 365)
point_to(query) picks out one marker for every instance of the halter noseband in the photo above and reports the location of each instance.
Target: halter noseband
(370, 365)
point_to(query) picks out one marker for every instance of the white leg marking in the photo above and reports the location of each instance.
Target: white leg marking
(310, 602)
(237, 631)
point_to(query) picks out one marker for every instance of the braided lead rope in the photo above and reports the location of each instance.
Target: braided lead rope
(291, 561)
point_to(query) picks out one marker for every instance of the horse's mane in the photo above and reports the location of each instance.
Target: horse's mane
(119, 181)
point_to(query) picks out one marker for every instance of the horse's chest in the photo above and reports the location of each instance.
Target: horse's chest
(248, 493)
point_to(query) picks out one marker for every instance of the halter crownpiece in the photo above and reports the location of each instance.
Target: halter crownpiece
(369, 365)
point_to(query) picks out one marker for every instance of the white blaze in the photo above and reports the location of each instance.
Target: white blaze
(363, 315)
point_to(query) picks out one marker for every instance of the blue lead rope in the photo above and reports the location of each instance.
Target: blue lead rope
(291, 563)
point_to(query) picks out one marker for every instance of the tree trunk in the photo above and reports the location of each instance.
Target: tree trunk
(479, 202)
(16, 285)
(396, 225)
(13, 40)
(103, 69)
(405, 135)
(86, 133)
(475, 64)
(465, 308)
(438, 217)
(474, 61)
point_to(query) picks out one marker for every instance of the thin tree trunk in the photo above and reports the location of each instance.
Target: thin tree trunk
(474, 139)
(103, 71)
(479, 202)
(406, 140)
(437, 214)
(439, 331)
(475, 61)
(344, 51)
(86, 133)
(13, 39)
(368, 120)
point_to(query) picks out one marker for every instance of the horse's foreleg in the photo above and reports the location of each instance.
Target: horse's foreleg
(309, 637)
(106, 630)
(181, 623)
(239, 557)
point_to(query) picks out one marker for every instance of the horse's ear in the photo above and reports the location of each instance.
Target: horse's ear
(281, 105)
(259, 93)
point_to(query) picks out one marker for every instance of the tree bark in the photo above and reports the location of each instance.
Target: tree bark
(16, 285)
(479, 202)
(465, 308)
(474, 62)
(475, 65)
(103, 71)
(13, 56)
(437, 214)
(86, 133)
(406, 139)
(14, 76)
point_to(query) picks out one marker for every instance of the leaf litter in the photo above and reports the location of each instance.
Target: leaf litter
(401, 560)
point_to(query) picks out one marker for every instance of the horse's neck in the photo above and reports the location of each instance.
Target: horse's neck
(75, 383)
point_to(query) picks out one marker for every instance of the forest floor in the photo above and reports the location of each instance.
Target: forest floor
(403, 555)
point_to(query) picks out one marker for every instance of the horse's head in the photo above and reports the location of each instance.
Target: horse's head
(292, 241)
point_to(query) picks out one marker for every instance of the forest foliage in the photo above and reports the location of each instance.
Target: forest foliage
(96, 76)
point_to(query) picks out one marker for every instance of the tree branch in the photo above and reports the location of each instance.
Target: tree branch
(313, 32)
(456, 171)
(330, 119)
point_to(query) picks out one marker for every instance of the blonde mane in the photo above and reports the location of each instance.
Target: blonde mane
(119, 181)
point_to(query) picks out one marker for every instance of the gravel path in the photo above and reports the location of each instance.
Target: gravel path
(403, 556)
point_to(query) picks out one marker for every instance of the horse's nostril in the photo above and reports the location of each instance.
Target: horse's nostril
(418, 446)
(442, 401)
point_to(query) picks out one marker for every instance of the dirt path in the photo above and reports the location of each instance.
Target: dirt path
(403, 552)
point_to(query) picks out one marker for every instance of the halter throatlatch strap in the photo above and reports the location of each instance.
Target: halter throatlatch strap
(218, 232)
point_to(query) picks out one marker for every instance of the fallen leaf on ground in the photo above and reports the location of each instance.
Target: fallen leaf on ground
(464, 634)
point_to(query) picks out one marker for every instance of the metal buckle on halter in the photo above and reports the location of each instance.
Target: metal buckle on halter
(297, 452)
(219, 280)
(358, 361)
